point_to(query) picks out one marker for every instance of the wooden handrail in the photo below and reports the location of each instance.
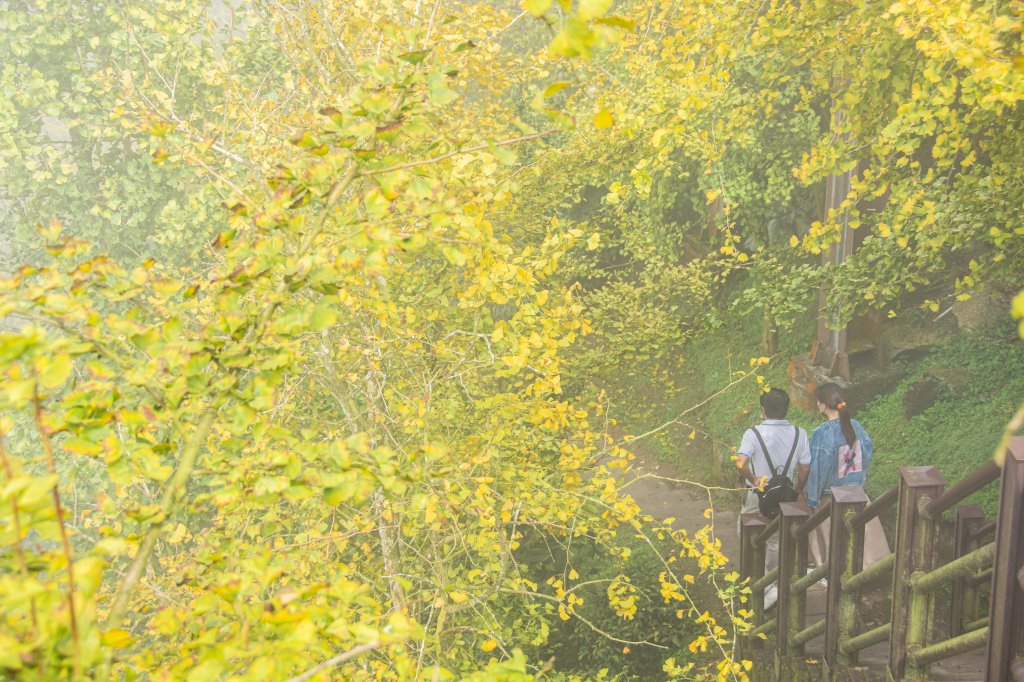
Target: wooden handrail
(975, 624)
(863, 641)
(914, 543)
(965, 606)
(983, 530)
(951, 647)
(764, 581)
(972, 483)
(771, 529)
(981, 578)
(764, 629)
(792, 559)
(875, 573)
(847, 501)
(816, 519)
(965, 566)
(809, 633)
(752, 568)
(802, 583)
(916, 573)
(881, 504)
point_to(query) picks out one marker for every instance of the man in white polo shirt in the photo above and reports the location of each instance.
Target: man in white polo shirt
(780, 438)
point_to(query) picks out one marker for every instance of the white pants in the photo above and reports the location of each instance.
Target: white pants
(771, 548)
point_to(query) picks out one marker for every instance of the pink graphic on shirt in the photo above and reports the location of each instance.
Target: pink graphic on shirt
(850, 460)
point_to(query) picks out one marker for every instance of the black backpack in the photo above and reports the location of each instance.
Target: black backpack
(779, 488)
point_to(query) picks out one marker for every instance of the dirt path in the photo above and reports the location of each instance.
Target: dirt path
(685, 503)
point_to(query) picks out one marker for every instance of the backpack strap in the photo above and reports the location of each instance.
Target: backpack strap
(764, 449)
(796, 440)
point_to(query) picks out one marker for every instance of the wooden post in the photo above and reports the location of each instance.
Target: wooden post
(846, 500)
(790, 611)
(1006, 606)
(848, 600)
(964, 605)
(913, 549)
(750, 526)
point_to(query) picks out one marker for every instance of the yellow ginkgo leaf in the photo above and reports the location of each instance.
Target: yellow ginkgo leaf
(116, 639)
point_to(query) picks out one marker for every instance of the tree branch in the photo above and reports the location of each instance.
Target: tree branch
(336, 660)
(465, 150)
(51, 461)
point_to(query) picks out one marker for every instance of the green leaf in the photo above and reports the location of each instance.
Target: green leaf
(89, 574)
(440, 94)
(268, 485)
(54, 372)
(617, 22)
(117, 639)
(454, 255)
(17, 392)
(35, 491)
(414, 57)
(592, 9)
(505, 156)
(537, 7)
(324, 316)
(555, 88)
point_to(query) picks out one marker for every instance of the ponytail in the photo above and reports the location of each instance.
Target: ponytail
(832, 397)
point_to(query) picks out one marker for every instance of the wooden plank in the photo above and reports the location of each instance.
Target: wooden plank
(1006, 610)
(964, 605)
(750, 526)
(913, 552)
(790, 606)
(847, 500)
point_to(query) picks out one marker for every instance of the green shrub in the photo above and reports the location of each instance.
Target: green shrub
(578, 648)
(960, 431)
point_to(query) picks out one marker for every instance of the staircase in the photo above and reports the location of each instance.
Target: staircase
(919, 614)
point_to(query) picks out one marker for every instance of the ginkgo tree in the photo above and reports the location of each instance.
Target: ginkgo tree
(729, 120)
(454, 242)
(320, 456)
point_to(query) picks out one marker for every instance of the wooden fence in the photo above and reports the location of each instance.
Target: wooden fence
(984, 576)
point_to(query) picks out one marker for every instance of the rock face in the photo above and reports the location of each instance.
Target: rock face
(983, 308)
(803, 378)
(879, 358)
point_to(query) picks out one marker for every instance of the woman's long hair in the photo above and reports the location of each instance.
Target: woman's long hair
(832, 397)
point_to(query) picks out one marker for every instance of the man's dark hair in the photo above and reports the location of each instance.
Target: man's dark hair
(775, 403)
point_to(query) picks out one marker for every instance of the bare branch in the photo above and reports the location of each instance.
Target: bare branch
(465, 150)
(336, 660)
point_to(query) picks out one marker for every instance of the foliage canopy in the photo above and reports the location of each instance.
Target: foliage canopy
(412, 256)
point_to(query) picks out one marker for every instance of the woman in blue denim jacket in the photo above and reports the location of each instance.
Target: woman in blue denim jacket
(840, 448)
(840, 455)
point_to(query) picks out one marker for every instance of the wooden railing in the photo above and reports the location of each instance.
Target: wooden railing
(913, 574)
